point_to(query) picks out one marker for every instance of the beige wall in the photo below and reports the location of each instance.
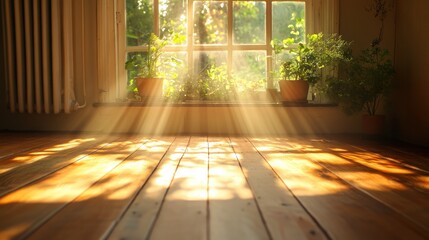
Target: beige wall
(359, 26)
(249, 120)
(412, 72)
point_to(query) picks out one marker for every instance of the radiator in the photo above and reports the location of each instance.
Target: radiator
(41, 48)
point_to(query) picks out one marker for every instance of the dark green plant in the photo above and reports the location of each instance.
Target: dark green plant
(363, 83)
(308, 60)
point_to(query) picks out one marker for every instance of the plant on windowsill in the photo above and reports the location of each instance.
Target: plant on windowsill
(148, 81)
(364, 83)
(212, 84)
(307, 62)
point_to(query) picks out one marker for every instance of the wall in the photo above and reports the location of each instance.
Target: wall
(248, 120)
(359, 26)
(411, 118)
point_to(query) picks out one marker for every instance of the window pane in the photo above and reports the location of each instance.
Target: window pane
(173, 20)
(249, 70)
(204, 60)
(139, 21)
(249, 22)
(210, 22)
(289, 20)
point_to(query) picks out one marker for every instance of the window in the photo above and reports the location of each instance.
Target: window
(229, 42)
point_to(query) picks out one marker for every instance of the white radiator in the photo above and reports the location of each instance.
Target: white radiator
(40, 47)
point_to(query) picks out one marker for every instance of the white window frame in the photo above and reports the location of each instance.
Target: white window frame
(321, 16)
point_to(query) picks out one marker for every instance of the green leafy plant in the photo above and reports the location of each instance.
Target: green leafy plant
(218, 85)
(307, 60)
(146, 64)
(363, 83)
(212, 84)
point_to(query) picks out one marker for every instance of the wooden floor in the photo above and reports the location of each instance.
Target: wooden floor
(68, 186)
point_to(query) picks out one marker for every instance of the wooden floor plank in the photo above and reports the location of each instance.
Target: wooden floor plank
(219, 145)
(341, 210)
(391, 168)
(26, 173)
(25, 209)
(408, 156)
(404, 158)
(389, 183)
(232, 207)
(14, 144)
(60, 186)
(389, 191)
(184, 212)
(55, 146)
(86, 217)
(284, 216)
(399, 158)
(140, 216)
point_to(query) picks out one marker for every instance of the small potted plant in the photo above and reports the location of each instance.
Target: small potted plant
(147, 80)
(307, 61)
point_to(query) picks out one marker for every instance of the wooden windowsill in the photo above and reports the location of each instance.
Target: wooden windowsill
(212, 104)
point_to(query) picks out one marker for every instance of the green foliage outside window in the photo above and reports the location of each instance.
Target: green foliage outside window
(249, 22)
(205, 79)
(289, 21)
(210, 22)
(173, 15)
(139, 21)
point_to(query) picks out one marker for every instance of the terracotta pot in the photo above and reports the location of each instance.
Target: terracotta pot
(150, 87)
(293, 90)
(373, 125)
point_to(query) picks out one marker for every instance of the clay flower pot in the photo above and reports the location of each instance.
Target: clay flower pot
(373, 125)
(293, 90)
(150, 87)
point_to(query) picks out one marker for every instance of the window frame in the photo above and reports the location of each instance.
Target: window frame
(320, 16)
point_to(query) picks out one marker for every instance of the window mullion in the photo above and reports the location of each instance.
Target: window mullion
(230, 36)
(190, 33)
(269, 37)
(121, 48)
(156, 17)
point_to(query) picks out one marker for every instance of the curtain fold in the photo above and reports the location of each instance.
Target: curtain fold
(323, 17)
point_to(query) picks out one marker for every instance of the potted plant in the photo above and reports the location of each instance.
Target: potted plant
(363, 84)
(307, 61)
(147, 80)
